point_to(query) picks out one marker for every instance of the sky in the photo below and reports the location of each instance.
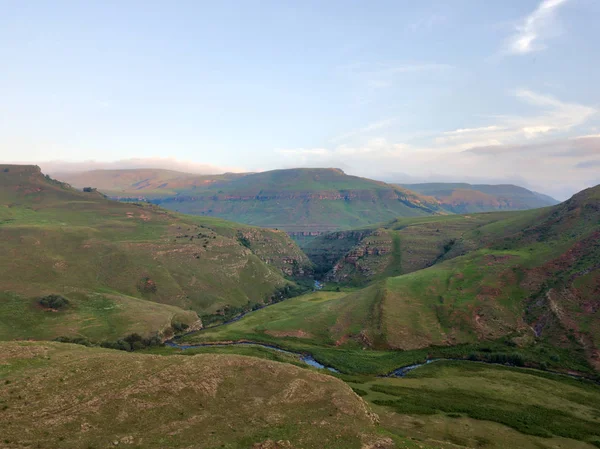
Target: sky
(499, 91)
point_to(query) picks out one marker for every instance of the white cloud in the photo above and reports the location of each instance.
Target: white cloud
(540, 24)
(427, 23)
(384, 75)
(533, 147)
(381, 124)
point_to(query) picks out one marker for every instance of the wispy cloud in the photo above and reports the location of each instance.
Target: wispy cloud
(534, 28)
(588, 164)
(383, 75)
(426, 23)
(538, 147)
(375, 126)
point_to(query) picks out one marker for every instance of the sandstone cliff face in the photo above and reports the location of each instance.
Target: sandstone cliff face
(325, 251)
(277, 249)
(370, 257)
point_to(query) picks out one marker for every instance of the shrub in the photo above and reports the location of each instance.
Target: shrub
(56, 302)
(89, 189)
(146, 285)
(244, 240)
(179, 327)
(75, 340)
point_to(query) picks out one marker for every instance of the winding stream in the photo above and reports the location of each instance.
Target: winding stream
(310, 360)
(306, 358)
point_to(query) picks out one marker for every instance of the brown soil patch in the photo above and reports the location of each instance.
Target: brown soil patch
(297, 333)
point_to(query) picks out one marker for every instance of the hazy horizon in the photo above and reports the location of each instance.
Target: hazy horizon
(479, 92)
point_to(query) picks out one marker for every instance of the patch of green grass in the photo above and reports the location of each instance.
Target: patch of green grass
(531, 402)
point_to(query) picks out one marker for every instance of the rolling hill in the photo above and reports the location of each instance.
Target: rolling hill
(126, 267)
(61, 395)
(469, 198)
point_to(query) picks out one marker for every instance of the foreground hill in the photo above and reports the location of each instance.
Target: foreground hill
(125, 267)
(300, 201)
(468, 198)
(530, 279)
(68, 396)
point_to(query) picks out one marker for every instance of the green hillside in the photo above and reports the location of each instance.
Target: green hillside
(530, 279)
(300, 201)
(305, 202)
(469, 198)
(401, 246)
(125, 267)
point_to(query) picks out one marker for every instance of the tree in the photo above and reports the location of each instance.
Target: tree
(55, 302)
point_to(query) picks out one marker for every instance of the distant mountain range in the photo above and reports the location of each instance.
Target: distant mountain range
(467, 198)
(302, 201)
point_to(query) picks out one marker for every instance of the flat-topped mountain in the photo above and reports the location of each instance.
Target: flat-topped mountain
(467, 198)
(302, 201)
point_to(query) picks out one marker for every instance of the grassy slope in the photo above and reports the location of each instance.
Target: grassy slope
(534, 280)
(401, 246)
(61, 395)
(467, 198)
(295, 200)
(475, 405)
(97, 253)
(469, 404)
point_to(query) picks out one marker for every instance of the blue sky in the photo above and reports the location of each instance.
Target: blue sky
(498, 91)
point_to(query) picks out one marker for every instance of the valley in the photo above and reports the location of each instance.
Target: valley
(299, 225)
(504, 303)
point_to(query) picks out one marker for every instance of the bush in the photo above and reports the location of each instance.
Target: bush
(89, 189)
(75, 340)
(146, 285)
(179, 327)
(133, 342)
(56, 302)
(244, 240)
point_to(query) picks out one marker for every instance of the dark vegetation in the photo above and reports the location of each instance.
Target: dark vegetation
(132, 342)
(55, 302)
(528, 419)
(231, 313)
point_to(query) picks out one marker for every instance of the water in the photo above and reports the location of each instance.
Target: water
(306, 358)
(403, 371)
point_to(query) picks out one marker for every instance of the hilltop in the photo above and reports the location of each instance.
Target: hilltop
(300, 201)
(305, 202)
(126, 267)
(59, 395)
(144, 182)
(469, 198)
